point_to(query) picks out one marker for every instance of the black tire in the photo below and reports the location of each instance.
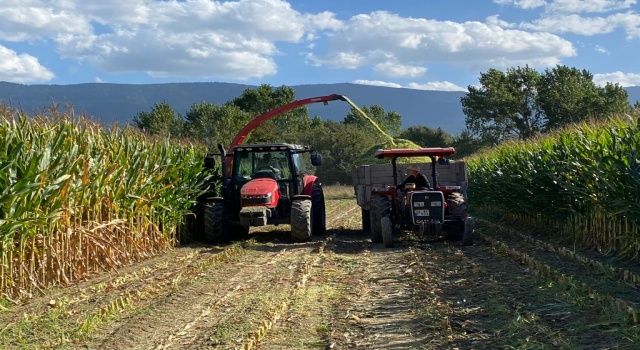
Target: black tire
(215, 227)
(366, 221)
(319, 217)
(239, 232)
(455, 230)
(386, 228)
(380, 207)
(301, 220)
(469, 229)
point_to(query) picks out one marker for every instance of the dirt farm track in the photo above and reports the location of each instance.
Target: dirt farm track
(507, 291)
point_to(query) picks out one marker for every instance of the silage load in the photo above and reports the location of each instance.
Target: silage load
(390, 141)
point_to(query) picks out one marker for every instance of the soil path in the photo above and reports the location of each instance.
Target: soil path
(339, 291)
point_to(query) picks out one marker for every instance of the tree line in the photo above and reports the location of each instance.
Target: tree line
(517, 103)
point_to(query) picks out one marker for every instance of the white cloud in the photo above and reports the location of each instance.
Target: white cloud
(624, 79)
(436, 85)
(523, 4)
(32, 20)
(571, 6)
(379, 37)
(21, 68)
(431, 85)
(196, 38)
(377, 83)
(578, 6)
(601, 49)
(588, 26)
(397, 70)
(575, 24)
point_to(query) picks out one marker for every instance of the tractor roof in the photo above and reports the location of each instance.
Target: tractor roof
(418, 152)
(265, 147)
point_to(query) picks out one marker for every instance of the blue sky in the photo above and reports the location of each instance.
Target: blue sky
(421, 44)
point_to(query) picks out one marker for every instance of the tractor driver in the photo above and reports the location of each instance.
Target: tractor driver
(269, 163)
(416, 177)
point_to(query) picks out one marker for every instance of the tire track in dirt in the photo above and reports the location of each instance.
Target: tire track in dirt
(216, 298)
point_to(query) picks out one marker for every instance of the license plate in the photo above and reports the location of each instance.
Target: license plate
(421, 212)
(418, 204)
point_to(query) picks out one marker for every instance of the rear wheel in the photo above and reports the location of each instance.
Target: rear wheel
(301, 220)
(386, 228)
(319, 218)
(215, 228)
(380, 208)
(455, 230)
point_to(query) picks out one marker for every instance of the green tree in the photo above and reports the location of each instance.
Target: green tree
(286, 127)
(215, 124)
(504, 105)
(161, 120)
(388, 121)
(427, 137)
(568, 95)
(466, 144)
(342, 147)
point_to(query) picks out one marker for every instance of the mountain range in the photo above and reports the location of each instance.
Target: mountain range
(119, 103)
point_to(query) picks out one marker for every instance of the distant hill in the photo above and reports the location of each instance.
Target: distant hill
(111, 103)
(121, 102)
(634, 94)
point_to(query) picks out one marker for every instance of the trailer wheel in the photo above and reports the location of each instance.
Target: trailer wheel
(301, 220)
(319, 218)
(366, 221)
(215, 228)
(386, 228)
(380, 208)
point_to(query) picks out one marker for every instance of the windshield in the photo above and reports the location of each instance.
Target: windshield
(252, 165)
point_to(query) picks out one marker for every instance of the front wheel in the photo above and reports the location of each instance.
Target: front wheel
(301, 220)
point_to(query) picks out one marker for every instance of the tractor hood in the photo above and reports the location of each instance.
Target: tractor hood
(262, 192)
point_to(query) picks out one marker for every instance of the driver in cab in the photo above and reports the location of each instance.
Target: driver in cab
(416, 177)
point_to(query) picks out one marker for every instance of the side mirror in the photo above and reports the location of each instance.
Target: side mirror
(316, 159)
(209, 162)
(443, 161)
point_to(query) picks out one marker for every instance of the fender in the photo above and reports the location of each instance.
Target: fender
(308, 182)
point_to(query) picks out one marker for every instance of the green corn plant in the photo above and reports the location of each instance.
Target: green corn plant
(583, 182)
(76, 197)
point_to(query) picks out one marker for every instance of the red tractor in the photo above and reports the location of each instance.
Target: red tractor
(388, 207)
(265, 184)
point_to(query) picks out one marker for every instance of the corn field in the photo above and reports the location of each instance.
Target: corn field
(77, 198)
(582, 183)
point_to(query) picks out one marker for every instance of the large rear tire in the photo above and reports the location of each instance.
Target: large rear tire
(215, 227)
(380, 208)
(386, 228)
(319, 217)
(301, 220)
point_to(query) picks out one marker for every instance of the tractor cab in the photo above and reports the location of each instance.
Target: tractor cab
(267, 175)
